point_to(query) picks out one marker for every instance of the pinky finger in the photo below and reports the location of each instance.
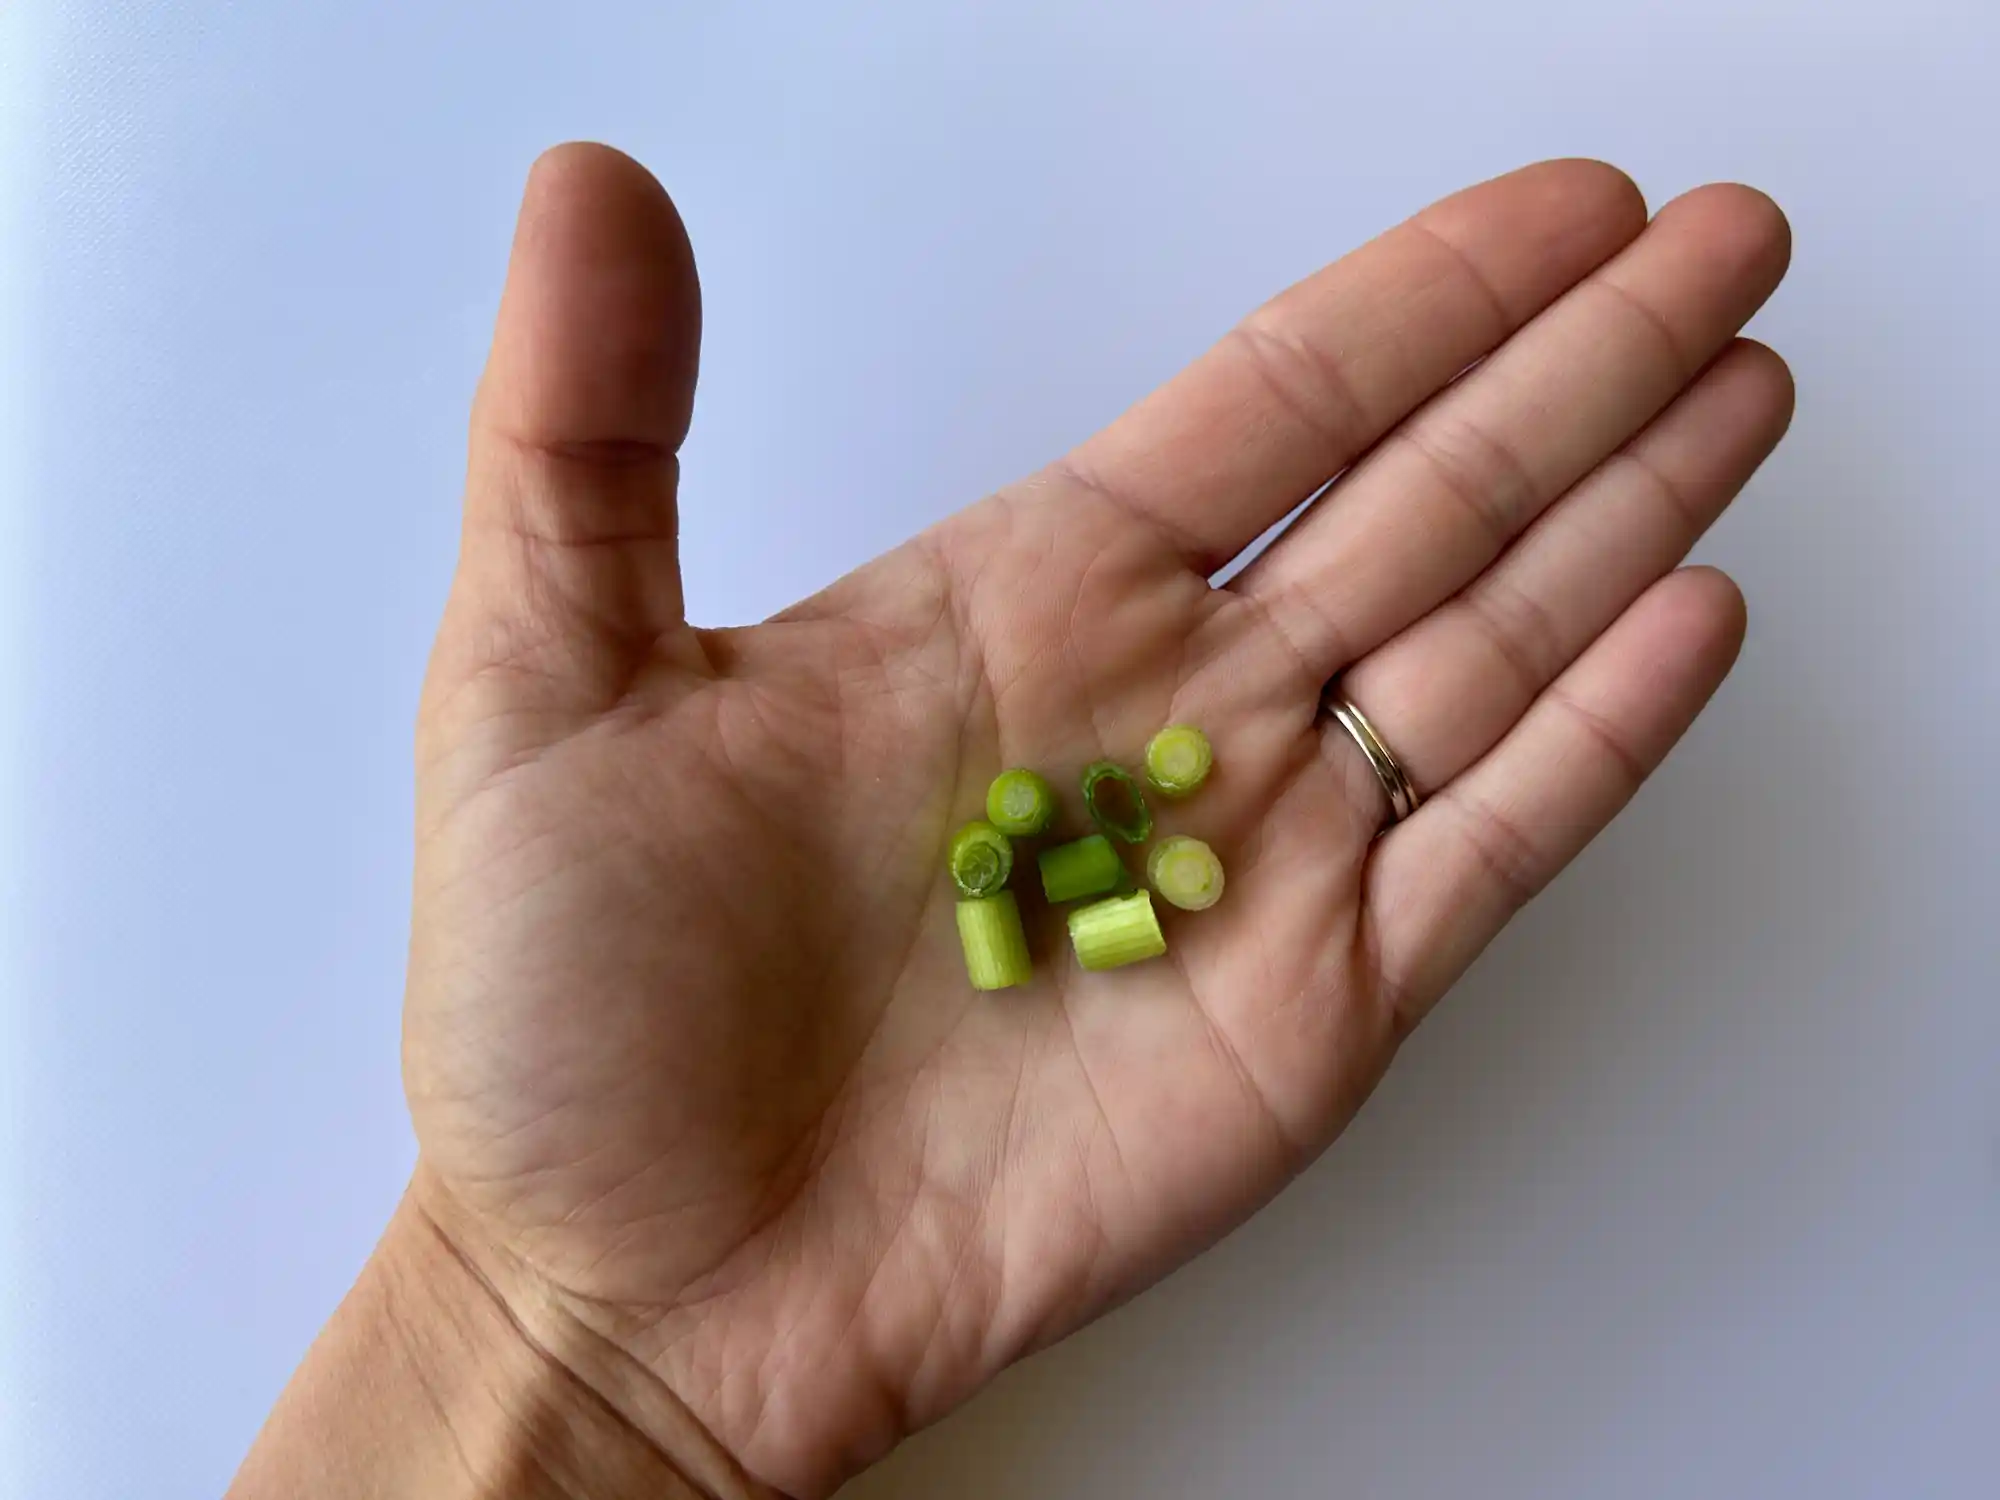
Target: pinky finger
(1446, 882)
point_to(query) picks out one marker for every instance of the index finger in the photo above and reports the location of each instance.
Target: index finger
(1312, 379)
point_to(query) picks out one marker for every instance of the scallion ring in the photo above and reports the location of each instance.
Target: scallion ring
(1178, 760)
(981, 860)
(1020, 803)
(1185, 872)
(1116, 803)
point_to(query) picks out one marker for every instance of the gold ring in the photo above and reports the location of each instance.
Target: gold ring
(1403, 799)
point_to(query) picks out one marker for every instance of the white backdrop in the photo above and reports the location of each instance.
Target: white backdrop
(1692, 1189)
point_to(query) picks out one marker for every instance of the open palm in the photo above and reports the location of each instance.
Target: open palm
(695, 1068)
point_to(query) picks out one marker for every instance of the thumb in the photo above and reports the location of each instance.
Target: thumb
(568, 553)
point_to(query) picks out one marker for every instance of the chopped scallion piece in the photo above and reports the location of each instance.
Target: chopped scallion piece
(1178, 759)
(1088, 867)
(1116, 804)
(1186, 873)
(1020, 803)
(1110, 934)
(981, 860)
(996, 949)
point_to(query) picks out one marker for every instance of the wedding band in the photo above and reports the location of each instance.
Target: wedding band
(1388, 770)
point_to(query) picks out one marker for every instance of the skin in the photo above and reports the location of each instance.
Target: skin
(727, 1177)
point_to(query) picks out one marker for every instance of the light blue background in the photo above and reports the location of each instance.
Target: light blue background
(1694, 1188)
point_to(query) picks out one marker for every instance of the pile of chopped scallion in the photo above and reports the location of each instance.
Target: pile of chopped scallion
(1115, 925)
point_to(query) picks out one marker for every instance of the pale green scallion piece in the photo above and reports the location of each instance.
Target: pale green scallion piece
(1110, 934)
(1116, 804)
(981, 860)
(1088, 867)
(1020, 803)
(1178, 759)
(996, 949)
(1185, 872)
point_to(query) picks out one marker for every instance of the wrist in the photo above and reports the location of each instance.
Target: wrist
(441, 1376)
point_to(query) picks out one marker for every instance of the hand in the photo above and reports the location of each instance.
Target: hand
(699, 1081)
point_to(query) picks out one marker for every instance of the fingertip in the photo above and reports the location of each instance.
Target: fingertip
(1603, 183)
(1743, 223)
(593, 166)
(1712, 614)
(1755, 207)
(1601, 201)
(1772, 369)
(599, 326)
(626, 211)
(1756, 384)
(1598, 197)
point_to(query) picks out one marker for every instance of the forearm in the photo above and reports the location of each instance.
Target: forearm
(423, 1384)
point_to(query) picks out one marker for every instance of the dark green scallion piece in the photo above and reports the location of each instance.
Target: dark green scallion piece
(1116, 803)
(1088, 867)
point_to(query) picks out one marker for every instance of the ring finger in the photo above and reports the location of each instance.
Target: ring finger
(1447, 688)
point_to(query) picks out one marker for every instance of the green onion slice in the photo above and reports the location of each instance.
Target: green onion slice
(996, 949)
(1020, 803)
(1116, 804)
(1088, 867)
(1110, 934)
(1178, 759)
(981, 860)
(1186, 873)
